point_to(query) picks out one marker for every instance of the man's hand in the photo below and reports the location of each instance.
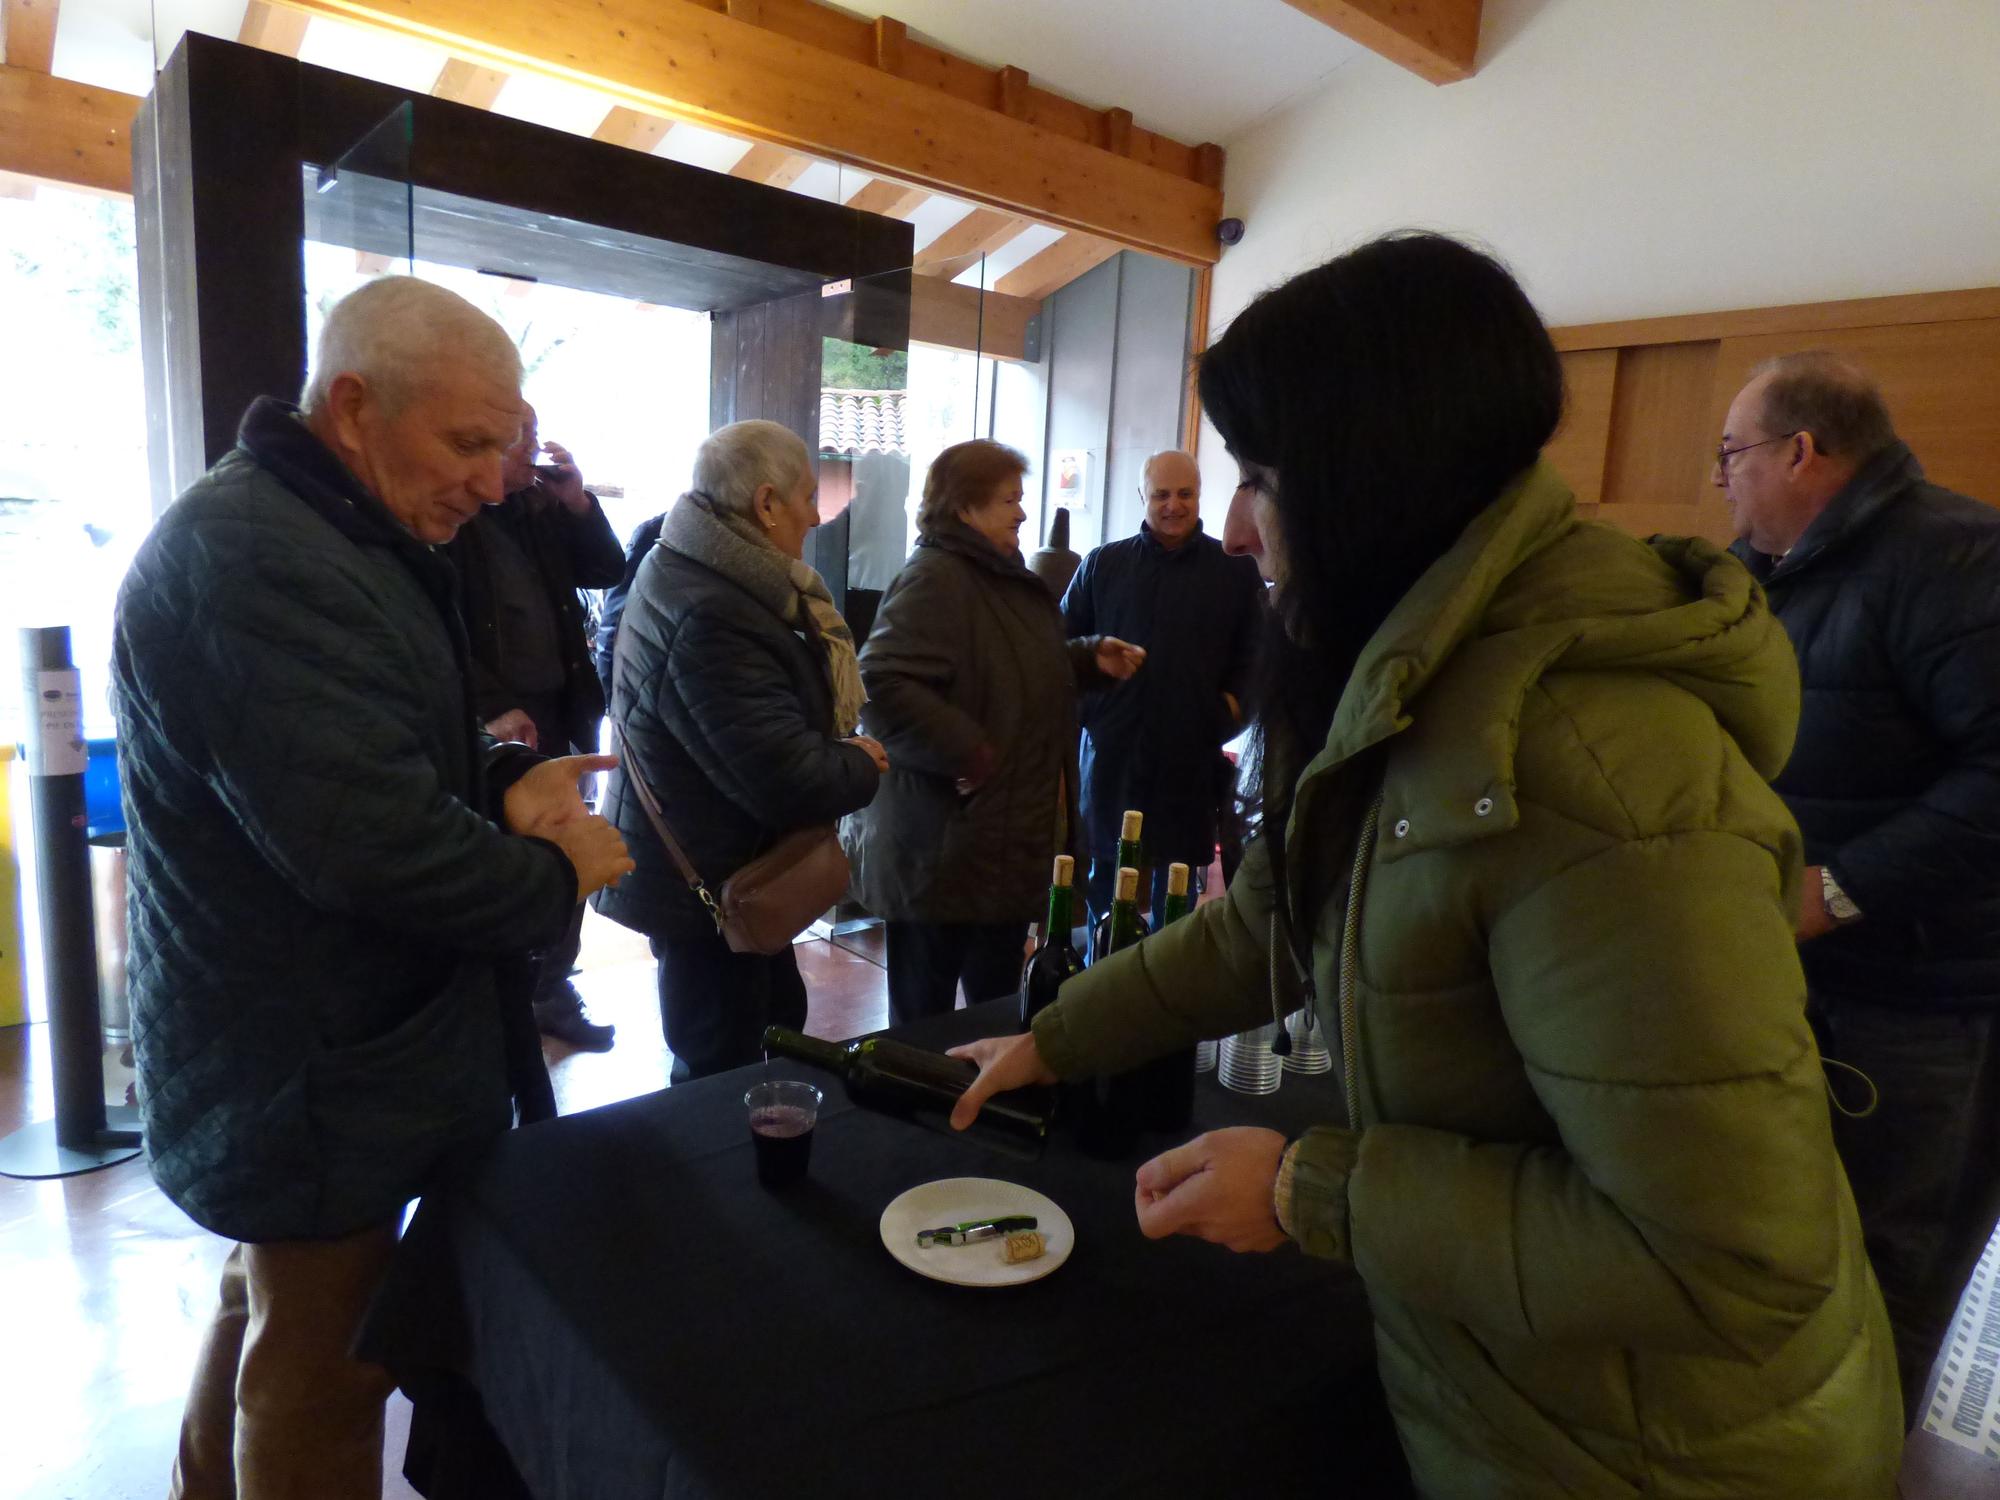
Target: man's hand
(517, 726)
(595, 850)
(1005, 1062)
(1217, 1187)
(1814, 919)
(549, 796)
(874, 748)
(1119, 659)
(563, 479)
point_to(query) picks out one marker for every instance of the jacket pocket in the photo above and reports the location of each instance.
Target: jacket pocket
(382, 1111)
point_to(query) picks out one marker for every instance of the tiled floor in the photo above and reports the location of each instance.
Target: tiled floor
(105, 1287)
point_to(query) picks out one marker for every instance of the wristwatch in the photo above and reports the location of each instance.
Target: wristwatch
(1839, 905)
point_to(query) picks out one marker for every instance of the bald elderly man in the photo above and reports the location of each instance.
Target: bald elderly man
(1156, 745)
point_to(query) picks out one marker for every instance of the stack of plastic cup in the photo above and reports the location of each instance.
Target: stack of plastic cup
(1204, 1057)
(1247, 1064)
(1308, 1054)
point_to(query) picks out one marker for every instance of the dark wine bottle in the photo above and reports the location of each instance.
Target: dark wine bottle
(883, 1073)
(1130, 857)
(1055, 958)
(1108, 1111)
(1166, 1084)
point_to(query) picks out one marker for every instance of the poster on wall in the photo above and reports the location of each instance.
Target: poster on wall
(1070, 468)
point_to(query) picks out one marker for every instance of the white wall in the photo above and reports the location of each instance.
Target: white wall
(1637, 158)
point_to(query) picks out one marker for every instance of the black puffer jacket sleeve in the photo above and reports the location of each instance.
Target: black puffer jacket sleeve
(732, 704)
(916, 648)
(311, 731)
(1945, 641)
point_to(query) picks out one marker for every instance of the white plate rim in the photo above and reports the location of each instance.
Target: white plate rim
(932, 1264)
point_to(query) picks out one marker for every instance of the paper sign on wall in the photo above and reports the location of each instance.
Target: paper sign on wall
(1069, 469)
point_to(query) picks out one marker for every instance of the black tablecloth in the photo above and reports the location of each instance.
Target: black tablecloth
(609, 1305)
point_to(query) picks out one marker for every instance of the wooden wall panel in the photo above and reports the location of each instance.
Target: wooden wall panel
(1578, 448)
(1941, 380)
(1662, 443)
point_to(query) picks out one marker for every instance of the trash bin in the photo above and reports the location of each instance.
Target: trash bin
(105, 829)
(107, 909)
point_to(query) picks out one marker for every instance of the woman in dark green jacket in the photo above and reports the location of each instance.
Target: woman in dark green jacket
(1521, 856)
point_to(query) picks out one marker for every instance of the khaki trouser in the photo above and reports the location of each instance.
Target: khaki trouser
(278, 1407)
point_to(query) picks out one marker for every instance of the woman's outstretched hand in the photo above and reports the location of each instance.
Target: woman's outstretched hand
(1119, 659)
(1005, 1062)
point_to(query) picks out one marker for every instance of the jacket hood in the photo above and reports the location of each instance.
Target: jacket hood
(1529, 589)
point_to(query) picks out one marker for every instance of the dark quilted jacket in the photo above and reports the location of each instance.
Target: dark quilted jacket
(729, 713)
(967, 660)
(1892, 601)
(316, 896)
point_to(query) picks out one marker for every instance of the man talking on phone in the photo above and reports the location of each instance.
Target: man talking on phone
(520, 564)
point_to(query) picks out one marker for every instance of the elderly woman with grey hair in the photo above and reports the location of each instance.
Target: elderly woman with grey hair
(738, 689)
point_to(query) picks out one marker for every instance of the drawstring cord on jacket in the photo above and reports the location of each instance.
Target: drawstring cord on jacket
(1874, 1094)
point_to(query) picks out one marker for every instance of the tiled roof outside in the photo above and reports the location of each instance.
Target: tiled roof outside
(860, 421)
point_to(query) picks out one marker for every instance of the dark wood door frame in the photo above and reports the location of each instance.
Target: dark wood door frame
(221, 150)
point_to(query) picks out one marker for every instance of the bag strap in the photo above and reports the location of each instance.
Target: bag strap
(635, 774)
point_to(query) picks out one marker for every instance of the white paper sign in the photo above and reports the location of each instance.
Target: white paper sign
(55, 726)
(1069, 476)
(1962, 1408)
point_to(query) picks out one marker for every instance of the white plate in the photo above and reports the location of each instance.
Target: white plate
(954, 1200)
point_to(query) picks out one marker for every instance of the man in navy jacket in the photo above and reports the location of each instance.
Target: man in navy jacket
(1154, 742)
(1889, 587)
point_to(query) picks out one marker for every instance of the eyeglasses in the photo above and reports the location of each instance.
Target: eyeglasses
(1723, 455)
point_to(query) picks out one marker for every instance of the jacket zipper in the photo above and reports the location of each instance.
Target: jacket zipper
(1350, 965)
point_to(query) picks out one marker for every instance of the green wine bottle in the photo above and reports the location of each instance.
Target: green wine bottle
(1107, 1111)
(1166, 1084)
(883, 1073)
(1131, 856)
(1055, 958)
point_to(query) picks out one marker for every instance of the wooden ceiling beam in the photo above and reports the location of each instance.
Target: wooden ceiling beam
(771, 165)
(891, 37)
(1049, 270)
(980, 232)
(1435, 39)
(628, 127)
(683, 59)
(465, 82)
(962, 317)
(31, 33)
(274, 29)
(891, 199)
(66, 132)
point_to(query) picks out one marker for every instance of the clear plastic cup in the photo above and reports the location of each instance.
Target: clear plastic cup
(1247, 1064)
(783, 1113)
(1309, 1053)
(1205, 1054)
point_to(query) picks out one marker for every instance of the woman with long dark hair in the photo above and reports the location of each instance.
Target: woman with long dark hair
(1520, 854)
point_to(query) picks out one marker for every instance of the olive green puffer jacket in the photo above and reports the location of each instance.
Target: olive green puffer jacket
(1590, 1181)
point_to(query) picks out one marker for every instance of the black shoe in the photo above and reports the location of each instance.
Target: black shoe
(561, 1016)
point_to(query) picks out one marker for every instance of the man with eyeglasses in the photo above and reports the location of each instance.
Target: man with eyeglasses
(1889, 587)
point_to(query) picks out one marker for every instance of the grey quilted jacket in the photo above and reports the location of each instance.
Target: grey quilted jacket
(318, 900)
